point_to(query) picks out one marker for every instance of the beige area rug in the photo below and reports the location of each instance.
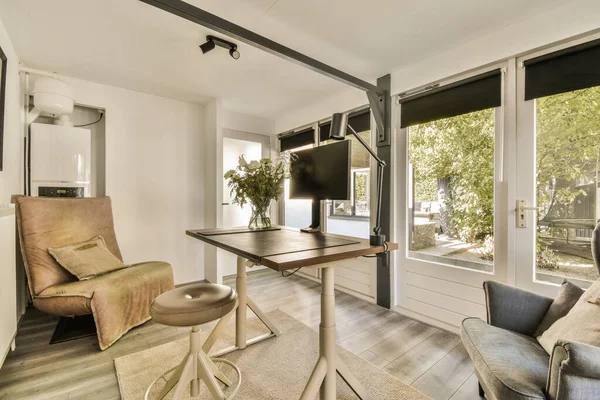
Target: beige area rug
(274, 369)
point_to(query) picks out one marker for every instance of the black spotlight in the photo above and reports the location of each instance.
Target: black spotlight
(234, 53)
(208, 46)
(212, 41)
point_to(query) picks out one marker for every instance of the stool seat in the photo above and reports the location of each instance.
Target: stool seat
(193, 304)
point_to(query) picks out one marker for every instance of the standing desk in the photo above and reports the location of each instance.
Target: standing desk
(284, 249)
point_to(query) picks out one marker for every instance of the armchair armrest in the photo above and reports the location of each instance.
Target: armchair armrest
(574, 371)
(514, 309)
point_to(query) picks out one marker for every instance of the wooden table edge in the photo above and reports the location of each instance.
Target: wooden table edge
(300, 263)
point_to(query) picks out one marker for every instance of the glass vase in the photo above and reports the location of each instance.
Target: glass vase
(260, 217)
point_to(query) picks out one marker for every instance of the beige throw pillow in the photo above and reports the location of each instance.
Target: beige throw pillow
(567, 297)
(581, 324)
(87, 259)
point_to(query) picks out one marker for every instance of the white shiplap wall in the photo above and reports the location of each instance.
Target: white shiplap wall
(8, 277)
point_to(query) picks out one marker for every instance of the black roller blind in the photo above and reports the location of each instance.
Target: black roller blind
(359, 121)
(297, 139)
(324, 131)
(462, 97)
(574, 68)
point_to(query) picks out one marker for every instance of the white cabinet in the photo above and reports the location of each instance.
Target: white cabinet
(60, 156)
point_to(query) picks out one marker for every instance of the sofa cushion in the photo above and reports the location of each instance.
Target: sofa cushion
(87, 259)
(55, 222)
(510, 365)
(119, 300)
(581, 324)
(64, 306)
(562, 304)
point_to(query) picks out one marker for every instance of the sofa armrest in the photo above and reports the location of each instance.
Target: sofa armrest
(514, 309)
(574, 371)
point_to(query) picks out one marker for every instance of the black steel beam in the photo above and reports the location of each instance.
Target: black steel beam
(384, 151)
(217, 24)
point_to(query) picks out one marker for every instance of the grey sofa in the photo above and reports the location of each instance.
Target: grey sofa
(510, 363)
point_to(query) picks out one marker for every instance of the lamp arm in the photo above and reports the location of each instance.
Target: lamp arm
(366, 146)
(376, 239)
(377, 228)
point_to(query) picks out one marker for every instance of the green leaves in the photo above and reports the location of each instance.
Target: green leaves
(568, 145)
(461, 150)
(258, 181)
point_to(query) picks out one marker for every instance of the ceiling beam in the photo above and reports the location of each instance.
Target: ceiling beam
(217, 24)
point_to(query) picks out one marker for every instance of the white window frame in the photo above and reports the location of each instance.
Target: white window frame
(458, 287)
(525, 255)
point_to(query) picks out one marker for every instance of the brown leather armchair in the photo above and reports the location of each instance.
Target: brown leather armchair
(118, 300)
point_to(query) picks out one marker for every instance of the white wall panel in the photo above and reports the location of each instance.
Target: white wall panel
(154, 174)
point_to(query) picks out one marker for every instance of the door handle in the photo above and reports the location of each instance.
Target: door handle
(521, 208)
(224, 204)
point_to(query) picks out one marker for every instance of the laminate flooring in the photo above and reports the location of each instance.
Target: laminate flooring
(430, 359)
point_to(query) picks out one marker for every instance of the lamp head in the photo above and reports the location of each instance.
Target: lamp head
(339, 125)
(208, 46)
(234, 53)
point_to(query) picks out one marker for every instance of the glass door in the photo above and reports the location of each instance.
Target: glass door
(234, 215)
(558, 164)
(252, 147)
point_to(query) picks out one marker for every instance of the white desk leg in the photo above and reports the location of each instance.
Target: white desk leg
(241, 314)
(329, 365)
(241, 284)
(327, 347)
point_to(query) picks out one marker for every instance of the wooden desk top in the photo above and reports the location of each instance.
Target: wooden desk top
(289, 248)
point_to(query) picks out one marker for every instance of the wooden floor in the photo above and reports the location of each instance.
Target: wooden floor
(430, 359)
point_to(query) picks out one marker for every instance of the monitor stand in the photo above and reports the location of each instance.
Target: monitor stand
(315, 225)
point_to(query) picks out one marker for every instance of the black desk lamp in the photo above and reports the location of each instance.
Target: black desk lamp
(339, 126)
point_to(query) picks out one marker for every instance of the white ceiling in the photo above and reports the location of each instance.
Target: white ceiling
(130, 44)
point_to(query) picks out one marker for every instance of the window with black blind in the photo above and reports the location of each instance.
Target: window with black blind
(358, 206)
(562, 71)
(451, 144)
(473, 94)
(360, 121)
(565, 85)
(297, 139)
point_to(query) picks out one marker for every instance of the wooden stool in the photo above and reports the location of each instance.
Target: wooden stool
(193, 305)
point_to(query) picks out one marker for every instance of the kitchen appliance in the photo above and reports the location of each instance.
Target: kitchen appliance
(60, 161)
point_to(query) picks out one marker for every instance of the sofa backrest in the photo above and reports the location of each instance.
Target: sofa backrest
(45, 222)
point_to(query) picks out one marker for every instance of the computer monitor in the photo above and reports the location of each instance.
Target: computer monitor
(322, 173)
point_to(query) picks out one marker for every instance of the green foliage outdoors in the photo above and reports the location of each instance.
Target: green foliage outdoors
(568, 152)
(360, 186)
(568, 146)
(426, 190)
(461, 150)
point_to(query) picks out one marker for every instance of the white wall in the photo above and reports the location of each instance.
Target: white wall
(247, 123)
(569, 20)
(11, 179)
(154, 174)
(321, 109)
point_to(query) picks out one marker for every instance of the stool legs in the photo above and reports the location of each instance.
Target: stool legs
(196, 366)
(216, 333)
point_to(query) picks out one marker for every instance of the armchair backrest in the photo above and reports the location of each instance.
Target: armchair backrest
(596, 246)
(45, 222)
